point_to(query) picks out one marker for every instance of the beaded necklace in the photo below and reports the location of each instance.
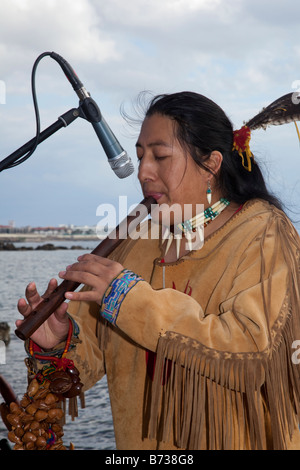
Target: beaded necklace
(193, 225)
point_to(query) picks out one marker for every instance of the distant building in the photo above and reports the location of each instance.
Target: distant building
(60, 231)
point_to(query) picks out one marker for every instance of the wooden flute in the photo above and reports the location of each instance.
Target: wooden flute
(49, 304)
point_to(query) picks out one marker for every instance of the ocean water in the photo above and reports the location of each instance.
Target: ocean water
(93, 429)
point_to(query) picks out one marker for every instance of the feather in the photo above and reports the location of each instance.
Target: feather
(282, 111)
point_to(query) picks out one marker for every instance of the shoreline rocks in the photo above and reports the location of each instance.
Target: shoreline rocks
(5, 332)
(8, 246)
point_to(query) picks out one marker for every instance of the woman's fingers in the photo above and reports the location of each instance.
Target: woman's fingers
(85, 296)
(50, 288)
(24, 308)
(95, 258)
(94, 271)
(91, 264)
(83, 277)
(55, 328)
(33, 298)
(91, 270)
(32, 295)
(94, 265)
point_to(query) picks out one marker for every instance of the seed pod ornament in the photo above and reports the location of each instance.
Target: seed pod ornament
(36, 423)
(31, 425)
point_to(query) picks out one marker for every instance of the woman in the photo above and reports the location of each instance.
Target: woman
(196, 343)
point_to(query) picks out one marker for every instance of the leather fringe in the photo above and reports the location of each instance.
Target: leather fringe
(71, 405)
(203, 398)
(215, 400)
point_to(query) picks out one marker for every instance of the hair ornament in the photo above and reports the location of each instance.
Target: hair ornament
(241, 143)
(284, 110)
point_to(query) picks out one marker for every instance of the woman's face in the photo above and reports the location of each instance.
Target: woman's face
(166, 171)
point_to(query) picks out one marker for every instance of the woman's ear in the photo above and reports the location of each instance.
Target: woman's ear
(214, 162)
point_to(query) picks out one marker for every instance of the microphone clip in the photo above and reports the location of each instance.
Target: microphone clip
(89, 110)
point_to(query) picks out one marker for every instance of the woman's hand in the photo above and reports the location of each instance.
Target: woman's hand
(93, 271)
(56, 328)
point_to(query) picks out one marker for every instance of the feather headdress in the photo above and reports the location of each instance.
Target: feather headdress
(282, 111)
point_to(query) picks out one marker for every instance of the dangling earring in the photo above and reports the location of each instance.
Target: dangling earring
(208, 193)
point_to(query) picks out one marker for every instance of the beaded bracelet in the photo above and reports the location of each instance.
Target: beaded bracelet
(55, 356)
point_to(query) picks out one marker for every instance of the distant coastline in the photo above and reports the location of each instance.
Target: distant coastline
(9, 246)
(13, 242)
(32, 237)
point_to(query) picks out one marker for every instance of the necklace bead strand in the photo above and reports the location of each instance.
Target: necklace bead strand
(205, 217)
(197, 223)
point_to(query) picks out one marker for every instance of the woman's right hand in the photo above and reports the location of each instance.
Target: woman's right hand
(55, 329)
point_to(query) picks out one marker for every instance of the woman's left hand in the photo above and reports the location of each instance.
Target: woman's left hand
(93, 271)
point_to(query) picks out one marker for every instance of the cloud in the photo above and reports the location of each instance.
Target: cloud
(241, 54)
(121, 48)
(25, 25)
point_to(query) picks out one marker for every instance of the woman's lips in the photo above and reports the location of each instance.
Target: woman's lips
(155, 195)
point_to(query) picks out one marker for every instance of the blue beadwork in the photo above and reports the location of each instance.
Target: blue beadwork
(209, 213)
(115, 294)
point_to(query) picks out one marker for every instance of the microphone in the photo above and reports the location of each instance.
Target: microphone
(117, 157)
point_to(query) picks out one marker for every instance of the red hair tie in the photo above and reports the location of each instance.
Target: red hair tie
(241, 141)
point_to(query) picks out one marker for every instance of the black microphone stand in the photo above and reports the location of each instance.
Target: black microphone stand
(63, 121)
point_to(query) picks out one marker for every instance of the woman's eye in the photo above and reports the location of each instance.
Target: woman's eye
(156, 157)
(160, 157)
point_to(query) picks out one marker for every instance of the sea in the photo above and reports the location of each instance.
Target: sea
(93, 428)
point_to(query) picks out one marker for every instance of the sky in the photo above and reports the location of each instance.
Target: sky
(242, 54)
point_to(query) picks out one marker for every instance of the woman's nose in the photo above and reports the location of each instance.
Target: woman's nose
(146, 169)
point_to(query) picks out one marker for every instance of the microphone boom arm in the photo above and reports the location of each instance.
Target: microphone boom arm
(88, 109)
(63, 121)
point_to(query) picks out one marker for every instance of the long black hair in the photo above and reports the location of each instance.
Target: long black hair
(202, 127)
